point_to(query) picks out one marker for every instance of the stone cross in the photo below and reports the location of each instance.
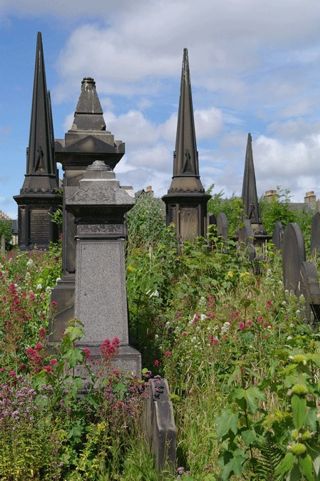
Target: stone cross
(99, 205)
(315, 234)
(293, 255)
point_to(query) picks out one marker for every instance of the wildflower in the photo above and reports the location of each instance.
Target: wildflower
(32, 296)
(156, 363)
(289, 338)
(260, 320)
(210, 315)
(39, 287)
(87, 353)
(225, 328)
(12, 374)
(109, 348)
(54, 304)
(30, 263)
(48, 369)
(230, 274)
(180, 470)
(38, 346)
(213, 340)
(53, 362)
(248, 323)
(269, 304)
(195, 318)
(42, 332)
(168, 354)
(241, 326)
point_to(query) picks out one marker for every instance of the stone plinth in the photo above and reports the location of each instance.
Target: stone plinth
(98, 205)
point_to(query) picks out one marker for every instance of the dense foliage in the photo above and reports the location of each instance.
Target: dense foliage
(242, 364)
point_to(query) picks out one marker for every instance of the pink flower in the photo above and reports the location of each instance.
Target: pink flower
(167, 353)
(260, 319)
(48, 369)
(156, 363)
(38, 346)
(241, 325)
(110, 348)
(53, 362)
(214, 341)
(269, 304)
(42, 332)
(32, 296)
(12, 374)
(248, 323)
(54, 303)
(87, 353)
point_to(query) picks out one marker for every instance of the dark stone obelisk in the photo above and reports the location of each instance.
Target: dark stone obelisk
(39, 196)
(186, 200)
(249, 192)
(86, 141)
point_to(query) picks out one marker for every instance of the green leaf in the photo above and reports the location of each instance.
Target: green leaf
(74, 332)
(226, 422)
(235, 466)
(253, 394)
(299, 411)
(73, 357)
(285, 465)
(306, 467)
(249, 436)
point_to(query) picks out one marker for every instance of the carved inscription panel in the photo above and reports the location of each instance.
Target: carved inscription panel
(39, 226)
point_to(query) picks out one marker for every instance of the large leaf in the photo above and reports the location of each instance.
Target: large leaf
(306, 467)
(299, 411)
(226, 422)
(235, 466)
(285, 465)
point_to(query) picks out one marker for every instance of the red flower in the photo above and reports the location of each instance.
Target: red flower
(110, 348)
(214, 341)
(168, 353)
(241, 326)
(38, 346)
(269, 304)
(54, 303)
(156, 363)
(248, 323)
(53, 362)
(42, 332)
(48, 369)
(260, 319)
(13, 374)
(32, 296)
(87, 353)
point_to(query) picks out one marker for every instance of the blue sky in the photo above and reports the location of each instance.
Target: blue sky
(255, 66)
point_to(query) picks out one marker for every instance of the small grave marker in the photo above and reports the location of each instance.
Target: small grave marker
(315, 234)
(277, 237)
(293, 255)
(222, 225)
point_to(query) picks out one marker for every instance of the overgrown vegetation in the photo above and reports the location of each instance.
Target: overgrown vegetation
(242, 364)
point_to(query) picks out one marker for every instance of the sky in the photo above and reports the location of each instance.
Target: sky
(255, 67)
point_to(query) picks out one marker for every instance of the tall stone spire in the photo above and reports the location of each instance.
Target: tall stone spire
(186, 201)
(41, 169)
(39, 195)
(249, 187)
(185, 163)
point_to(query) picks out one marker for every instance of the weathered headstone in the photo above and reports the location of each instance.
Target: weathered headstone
(158, 423)
(293, 255)
(277, 237)
(310, 289)
(315, 234)
(186, 200)
(222, 225)
(99, 205)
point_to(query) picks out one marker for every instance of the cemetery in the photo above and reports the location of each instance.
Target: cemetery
(153, 339)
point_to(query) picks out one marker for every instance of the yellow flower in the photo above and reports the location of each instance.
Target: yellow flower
(230, 274)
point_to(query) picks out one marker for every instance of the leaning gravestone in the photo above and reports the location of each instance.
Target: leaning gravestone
(277, 236)
(315, 234)
(222, 225)
(99, 205)
(158, 423)
(310, 289)
(293, 255)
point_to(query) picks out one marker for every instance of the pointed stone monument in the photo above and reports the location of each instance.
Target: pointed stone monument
(250, 196)
(39, 196)
(86, 141)
(186, 200)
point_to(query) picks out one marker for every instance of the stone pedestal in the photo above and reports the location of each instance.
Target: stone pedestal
(87, 139)
(98, 206)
